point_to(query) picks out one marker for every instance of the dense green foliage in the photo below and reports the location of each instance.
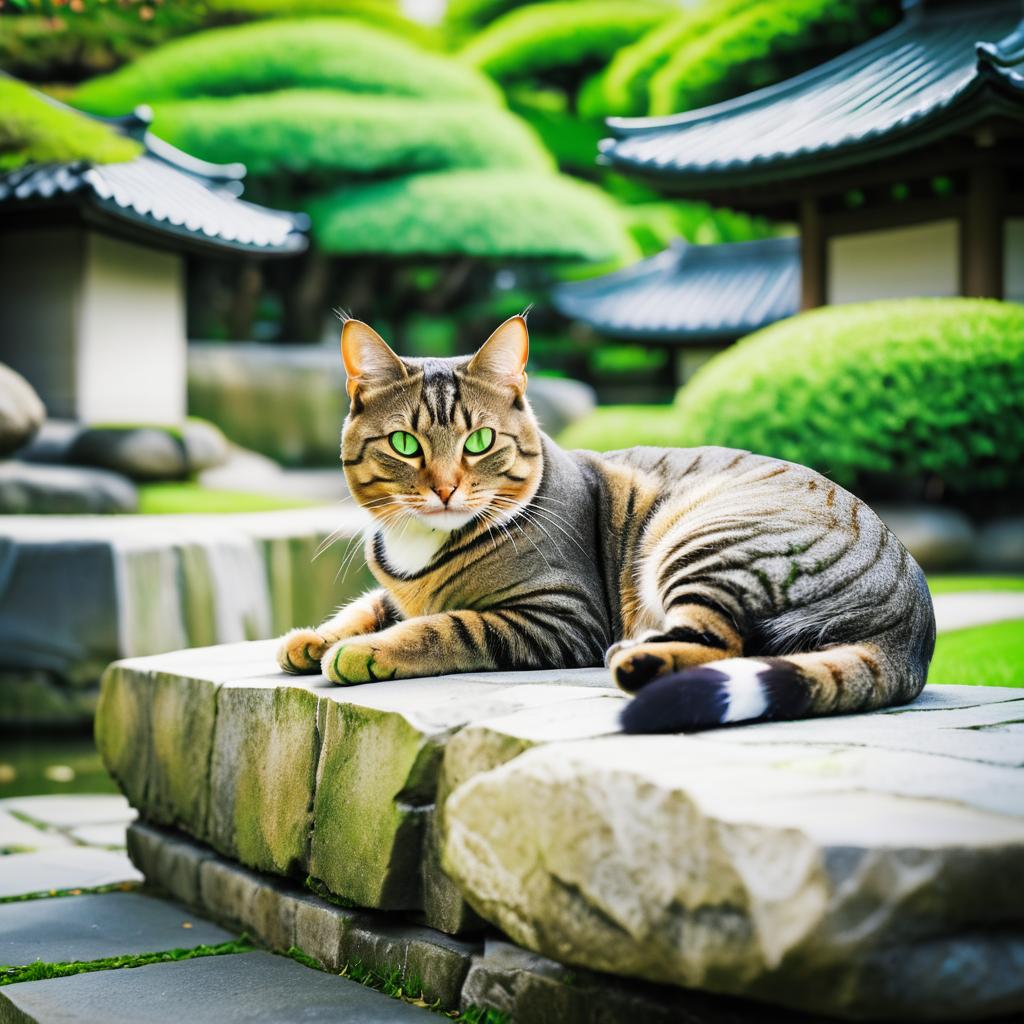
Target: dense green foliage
(881, 397)
(493, 213)
(984, 656)
(267, 56)
(321, 135)
(750, 50)
(34, 130)
(877, 396)
(560, 39)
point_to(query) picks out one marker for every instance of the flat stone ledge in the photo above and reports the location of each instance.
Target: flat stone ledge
(67, 867)
(240, 988)
(858, 866)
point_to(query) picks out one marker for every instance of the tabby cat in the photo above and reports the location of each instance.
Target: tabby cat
(718, 586)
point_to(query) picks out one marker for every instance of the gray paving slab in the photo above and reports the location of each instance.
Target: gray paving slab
(16, 836)
(73, 867)
(106, 837)
(976, 608)
(75, 809)
(254, 988)
(92, 927)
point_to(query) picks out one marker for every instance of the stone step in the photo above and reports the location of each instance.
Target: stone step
(67, 867)
(863, 867)
(295, 776)
(94, 927)
(247, 988)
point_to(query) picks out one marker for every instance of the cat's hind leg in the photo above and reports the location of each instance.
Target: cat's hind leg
(696, 631)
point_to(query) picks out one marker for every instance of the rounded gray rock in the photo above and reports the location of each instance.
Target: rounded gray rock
(205, 445)
(21, 411)
(29, 489)
(142, 453)
(559, 401)
(1001, 545)
(938, 538)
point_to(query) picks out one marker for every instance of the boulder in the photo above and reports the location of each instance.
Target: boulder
(205, 445)
(52, 443)
(32, 489)
(1001, 545)
(21, 411)
(559, 401)
(937, 537)
(143, 453)
(859, 867)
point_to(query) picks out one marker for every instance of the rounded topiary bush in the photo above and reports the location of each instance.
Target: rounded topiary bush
(886, 397)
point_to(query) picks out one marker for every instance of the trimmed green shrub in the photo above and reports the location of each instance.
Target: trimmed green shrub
(557, 39)
(508, 214)
(878, 396)
(319, 135)
(756, 47)
(272, 55)
(570, 139)
(33, 130)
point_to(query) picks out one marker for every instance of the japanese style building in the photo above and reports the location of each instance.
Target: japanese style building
(693, 299)
(901, 162)
(92, 282)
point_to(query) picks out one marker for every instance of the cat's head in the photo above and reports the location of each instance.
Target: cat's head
(440, 441)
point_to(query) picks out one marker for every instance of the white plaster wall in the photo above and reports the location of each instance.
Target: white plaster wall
(40, 278)
(131, 334)
(1013, 260)
(894, 264)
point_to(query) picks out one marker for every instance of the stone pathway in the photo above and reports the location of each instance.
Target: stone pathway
(976, 608)
(66, 844)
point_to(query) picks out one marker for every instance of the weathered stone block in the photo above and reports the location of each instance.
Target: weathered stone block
(858, 867)
(167, 860)
(256, 904)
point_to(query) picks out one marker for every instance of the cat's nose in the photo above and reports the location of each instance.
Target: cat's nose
(444, 492)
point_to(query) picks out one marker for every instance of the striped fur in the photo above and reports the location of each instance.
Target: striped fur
(718, 586)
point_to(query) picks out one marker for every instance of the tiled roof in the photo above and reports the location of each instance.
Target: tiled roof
(190, 203)
(926, 78)
(691, 293)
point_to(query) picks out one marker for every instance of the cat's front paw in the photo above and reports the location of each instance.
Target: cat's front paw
(356, 660)
(300, 651)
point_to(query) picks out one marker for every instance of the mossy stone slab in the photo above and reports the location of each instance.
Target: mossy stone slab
(841, 867)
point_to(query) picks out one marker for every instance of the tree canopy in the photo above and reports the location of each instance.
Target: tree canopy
(271, 55)
(484, 213)
(34, 130)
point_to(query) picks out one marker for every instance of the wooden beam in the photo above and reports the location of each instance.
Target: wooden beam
(813, 255)
(981, 234)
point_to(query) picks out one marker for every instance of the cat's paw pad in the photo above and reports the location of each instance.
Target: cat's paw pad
(355, 661)
(624, 645)
(634, 664)
(300, 651)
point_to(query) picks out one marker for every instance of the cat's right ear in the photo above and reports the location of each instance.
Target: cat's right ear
(367, 357)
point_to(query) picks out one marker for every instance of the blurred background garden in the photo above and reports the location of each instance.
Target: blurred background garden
(791, 226)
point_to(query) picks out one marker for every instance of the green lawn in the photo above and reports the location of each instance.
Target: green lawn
(983, 656)
(168, 498)
(961, 584)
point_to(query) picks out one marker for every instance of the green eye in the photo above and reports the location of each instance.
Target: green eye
(404, 443)
(479, 441)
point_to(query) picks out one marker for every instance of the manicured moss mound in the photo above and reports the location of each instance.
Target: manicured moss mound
(270, 55)
(883, 397)
(877, 394)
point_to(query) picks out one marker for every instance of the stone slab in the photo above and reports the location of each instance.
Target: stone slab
(16, 836)
(70, 811)
(96, 926)
(243, 988)
(106, 837)
(73, 867)
(852, 866)
(296, 776)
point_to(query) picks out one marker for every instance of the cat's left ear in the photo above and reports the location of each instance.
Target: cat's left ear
(503, 355)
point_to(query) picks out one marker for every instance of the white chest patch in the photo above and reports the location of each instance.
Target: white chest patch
(410, 547)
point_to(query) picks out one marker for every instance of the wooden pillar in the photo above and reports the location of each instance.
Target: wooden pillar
(813, 256)
(981, 234)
